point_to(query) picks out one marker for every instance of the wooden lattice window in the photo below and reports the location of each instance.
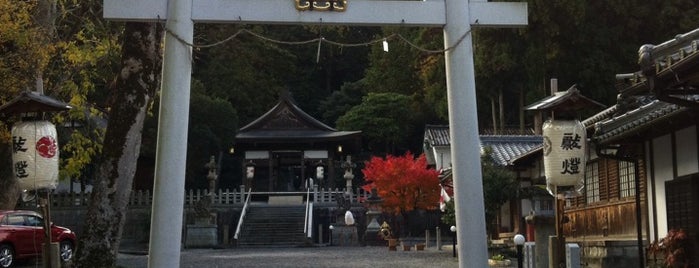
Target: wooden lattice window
(627, 179)
(592, 182)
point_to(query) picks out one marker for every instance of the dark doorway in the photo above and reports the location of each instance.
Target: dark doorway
(288, 172)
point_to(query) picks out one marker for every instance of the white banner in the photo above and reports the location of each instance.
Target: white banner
(565, 145)
(35, 155)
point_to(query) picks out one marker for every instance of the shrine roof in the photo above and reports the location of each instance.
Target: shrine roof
(286, 121)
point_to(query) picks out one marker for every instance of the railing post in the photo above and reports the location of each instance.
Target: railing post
(242, 193)
(315, 193)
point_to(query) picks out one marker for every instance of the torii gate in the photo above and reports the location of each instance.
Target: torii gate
(455, 16)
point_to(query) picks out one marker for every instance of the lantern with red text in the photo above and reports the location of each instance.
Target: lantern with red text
(35, 155)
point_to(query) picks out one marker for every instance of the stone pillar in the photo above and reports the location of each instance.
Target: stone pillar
(545, 226)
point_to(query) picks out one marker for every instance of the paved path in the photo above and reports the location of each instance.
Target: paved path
(335, 257)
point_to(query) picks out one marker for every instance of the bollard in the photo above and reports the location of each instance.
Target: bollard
(427, 238)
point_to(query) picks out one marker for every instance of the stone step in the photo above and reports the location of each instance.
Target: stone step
(273, 226)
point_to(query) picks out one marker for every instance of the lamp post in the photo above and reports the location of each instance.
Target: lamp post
(331, 234)
(453, 239)
(519, 243)
(35, 156)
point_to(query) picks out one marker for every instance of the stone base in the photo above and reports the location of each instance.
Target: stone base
(285, 200)
(201, 236)
(372, 238)
(344, 235)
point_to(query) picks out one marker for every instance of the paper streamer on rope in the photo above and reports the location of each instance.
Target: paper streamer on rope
(565, 145)
(35, 155)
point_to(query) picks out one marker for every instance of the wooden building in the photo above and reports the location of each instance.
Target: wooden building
(503, 149)
(283, 148)
(643, 161)
(655, 126)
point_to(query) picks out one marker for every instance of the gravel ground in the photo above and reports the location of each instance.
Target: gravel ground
(337, 257)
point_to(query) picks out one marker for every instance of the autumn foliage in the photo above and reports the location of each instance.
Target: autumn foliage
(404, 182)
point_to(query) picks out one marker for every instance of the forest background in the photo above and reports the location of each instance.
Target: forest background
(66, 48)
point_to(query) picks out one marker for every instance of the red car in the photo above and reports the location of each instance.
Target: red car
(22, 236)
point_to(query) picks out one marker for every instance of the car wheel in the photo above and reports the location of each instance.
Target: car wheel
(66, 250)
(7, 256)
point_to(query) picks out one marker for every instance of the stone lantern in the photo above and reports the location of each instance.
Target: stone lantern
(372, 235)
(348, 165)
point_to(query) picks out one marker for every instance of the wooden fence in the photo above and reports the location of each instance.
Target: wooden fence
(224, 197)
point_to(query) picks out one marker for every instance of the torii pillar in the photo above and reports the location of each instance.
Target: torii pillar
(455, 16)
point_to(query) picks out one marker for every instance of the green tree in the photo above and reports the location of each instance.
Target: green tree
(394, 70)
(339, 102)
(16, 46)
(384, 118)
(207, 137)
(408, 68)
(82, 73)
(499, 186)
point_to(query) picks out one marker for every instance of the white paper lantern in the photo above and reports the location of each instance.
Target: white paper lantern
(564, 152)
(35, 155)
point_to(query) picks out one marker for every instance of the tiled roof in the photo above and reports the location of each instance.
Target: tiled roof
(637, 119)
(570, 99)
(504, 147)
(665, 60)
(437, 135)
(287, 122)
(506, 131)
(672, 63)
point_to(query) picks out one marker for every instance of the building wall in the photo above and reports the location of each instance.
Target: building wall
(671, 156)
(442, 157)
(686, 153)
(661, 171)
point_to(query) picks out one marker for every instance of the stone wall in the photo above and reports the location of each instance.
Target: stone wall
(607, 254)
(137, 227)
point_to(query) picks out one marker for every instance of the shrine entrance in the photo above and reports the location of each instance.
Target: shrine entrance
(287, 172)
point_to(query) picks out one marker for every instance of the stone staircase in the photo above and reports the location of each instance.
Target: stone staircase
(273, 226)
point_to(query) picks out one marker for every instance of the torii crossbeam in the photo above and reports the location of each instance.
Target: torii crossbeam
(456, 17)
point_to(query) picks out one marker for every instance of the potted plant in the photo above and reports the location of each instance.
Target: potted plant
(675, 249)
(499, 260)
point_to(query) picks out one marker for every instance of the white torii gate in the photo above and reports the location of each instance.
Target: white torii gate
(455, 16)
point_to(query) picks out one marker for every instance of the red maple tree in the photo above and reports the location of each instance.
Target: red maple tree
(404, 182)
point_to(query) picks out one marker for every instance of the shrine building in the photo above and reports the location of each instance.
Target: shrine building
(285, 150)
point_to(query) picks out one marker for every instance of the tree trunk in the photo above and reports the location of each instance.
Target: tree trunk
(494, 115)
(132, 94)
(9, 189)
(501, 106)
(521, 112)
(45, 17)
